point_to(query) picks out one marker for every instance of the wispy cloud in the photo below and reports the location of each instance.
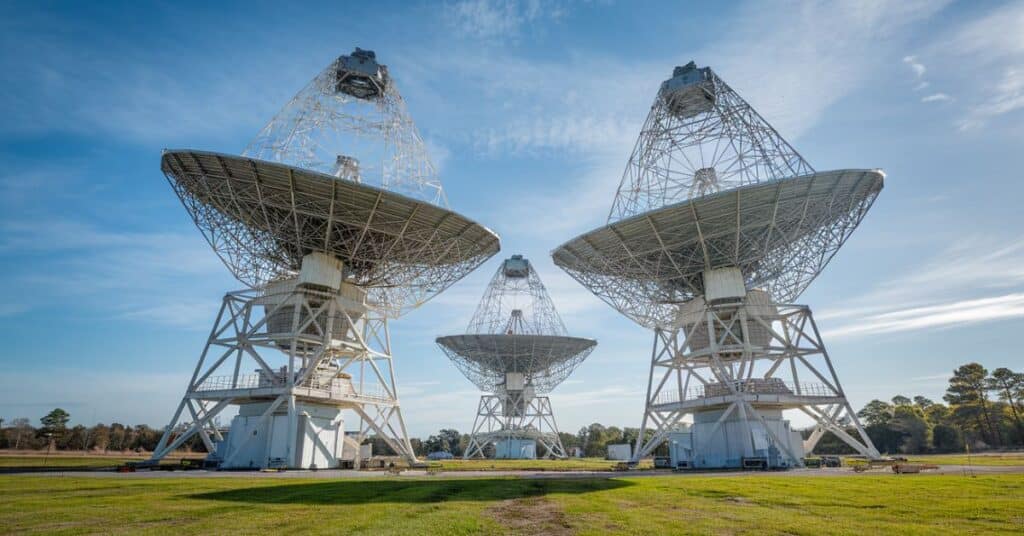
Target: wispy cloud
(936, 97)
(916, 66)
(989, 51)
(932, 377)
(847, 40)
(498, 19)
(155, 276)
(975, 280)
(945, 315)
(1006, 96)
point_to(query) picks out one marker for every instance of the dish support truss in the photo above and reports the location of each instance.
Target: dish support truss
(371, 139)
(700, 137)
(516, 302)
(514, 415)
(337, 352)
(742, 358)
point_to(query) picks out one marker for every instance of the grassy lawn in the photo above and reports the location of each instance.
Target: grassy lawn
(995, 458)
(79, 461)
(754, 504)
(64, 461)
(570, 464)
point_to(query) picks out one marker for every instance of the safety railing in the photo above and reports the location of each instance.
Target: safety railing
(756, 387)
(336, 388)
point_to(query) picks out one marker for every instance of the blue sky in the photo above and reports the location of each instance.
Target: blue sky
(530, 109)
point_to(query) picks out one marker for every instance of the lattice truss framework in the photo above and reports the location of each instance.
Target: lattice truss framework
(514, 417)
(741, 359)
(303, 344)
(506, 294)
(262, 218)
(370, 139)
(700, 139)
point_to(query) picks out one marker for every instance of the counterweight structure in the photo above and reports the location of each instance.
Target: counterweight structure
(336, 222)
(517, 349)
(717, 226)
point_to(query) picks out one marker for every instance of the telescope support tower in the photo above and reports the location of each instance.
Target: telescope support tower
(740, 363)
(533, 420)
(337, 356)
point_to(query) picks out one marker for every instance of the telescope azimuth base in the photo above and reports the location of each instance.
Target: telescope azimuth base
(315, 353)
(500, 421)
(733, 369)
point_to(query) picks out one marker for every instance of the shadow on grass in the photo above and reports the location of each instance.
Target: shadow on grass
(408, 491)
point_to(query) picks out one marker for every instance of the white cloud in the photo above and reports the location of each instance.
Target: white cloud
(944, 315)
(916, 66)
(975, 280)
(843, 41)
(160, 277)
(944, 376)
(989, 50)
(498, 19)
(936, 97)
(921, 85)
(1005, 97)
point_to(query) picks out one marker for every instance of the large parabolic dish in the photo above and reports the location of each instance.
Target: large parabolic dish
(340, 169)
(262, 218)
(780, 233)
(545, 360)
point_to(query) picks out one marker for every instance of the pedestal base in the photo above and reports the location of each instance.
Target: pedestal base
(319, 439)
(732, 369)
(513, 424)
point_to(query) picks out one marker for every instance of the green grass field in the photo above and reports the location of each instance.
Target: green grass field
(573, 464)
(1004, 459)
(570, 464)
(754, 504)
(75, 461)
(63, 461)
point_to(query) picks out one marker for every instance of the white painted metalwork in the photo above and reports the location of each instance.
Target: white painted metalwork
(337, 222)
(516, 347)
(514, 416)
(351, 122)
(718, 224)
(746, 359)
(305, 344)
(700, 138)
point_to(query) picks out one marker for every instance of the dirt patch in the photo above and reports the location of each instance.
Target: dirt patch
(532, 516)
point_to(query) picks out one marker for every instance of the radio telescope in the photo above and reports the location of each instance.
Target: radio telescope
(717, 226)
(517, 348)
(335, 220)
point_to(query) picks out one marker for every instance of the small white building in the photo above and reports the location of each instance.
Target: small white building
(620, 452)
(515, 449)
(701, 446)
(251, 444)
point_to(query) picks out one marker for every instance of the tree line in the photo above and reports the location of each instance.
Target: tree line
(982, 410)
(54, 433)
